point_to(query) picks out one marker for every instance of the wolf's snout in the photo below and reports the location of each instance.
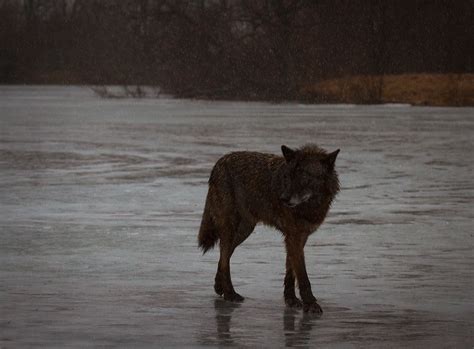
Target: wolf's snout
(285, 198)
(287, 201)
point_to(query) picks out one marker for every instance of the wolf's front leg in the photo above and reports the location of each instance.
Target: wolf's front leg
(296, 256)
(289, 293)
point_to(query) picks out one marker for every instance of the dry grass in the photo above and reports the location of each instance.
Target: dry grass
(416, 89)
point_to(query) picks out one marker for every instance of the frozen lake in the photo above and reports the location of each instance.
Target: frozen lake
(101, 201)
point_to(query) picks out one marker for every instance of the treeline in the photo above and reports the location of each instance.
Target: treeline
(245, 49)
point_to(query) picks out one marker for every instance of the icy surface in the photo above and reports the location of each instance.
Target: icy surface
(101, 200)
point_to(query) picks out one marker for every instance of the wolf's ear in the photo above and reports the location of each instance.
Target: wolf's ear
(330, 159)
(288, 153)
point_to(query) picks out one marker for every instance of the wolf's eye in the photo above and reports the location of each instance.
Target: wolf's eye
(306, 178)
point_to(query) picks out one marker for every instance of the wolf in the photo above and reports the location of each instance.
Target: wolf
(292, 193)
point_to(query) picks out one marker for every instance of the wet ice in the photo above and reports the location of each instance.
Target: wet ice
(101, 200)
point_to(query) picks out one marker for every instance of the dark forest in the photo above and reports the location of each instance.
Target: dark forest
(235, 49)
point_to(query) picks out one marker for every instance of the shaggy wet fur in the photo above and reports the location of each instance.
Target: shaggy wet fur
(292, 193)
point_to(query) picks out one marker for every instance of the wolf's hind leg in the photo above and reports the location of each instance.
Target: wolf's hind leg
(243, 231)
(223, 282)
(223, 285)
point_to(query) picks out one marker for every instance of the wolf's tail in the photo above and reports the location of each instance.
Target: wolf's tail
(208, 235)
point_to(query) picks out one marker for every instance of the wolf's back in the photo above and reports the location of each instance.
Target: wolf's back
(239, 186)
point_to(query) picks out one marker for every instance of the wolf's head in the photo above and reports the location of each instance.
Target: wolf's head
(308, 175)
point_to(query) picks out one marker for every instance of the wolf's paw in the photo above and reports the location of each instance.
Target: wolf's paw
(233, 297)
(293, 302)
(312, 308)
(219, 289)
